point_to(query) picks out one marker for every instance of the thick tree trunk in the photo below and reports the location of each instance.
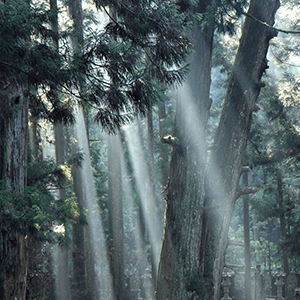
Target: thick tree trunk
(14, 141)
(181, 269)
(232, 133)
(193, 237)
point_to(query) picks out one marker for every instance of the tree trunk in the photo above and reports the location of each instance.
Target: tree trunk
(14, 141)
(247, 241)
(152, 199)
(62, 280)
(63, 286)
(195, 240)
(91, 277)
(79, 276)
(75, 11)
(116, 216)
(79, 259)
(162, 147)
(181, 270)
(282, 220)
(35, 145)
(232, 133)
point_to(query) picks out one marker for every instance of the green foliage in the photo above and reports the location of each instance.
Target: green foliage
(142, 52)
(123, 69)
(223, 15)
(272, 149)
(37, 209)
(76, 159)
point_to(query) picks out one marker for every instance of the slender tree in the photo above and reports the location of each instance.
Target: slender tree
(282, 220)
(79, 258)
(247, 251)
(152, 199)
(63, 287)
(115, 205)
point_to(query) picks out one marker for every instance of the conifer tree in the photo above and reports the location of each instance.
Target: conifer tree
(33, 73)
(195, 239)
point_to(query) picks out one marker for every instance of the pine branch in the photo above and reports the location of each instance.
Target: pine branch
(131, 11)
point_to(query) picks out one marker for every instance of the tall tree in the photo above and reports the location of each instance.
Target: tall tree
(116, 236)
(190, 249)
(63, 286)
(282, 220)
(14, 141)
(243, 90)
(233, 130)
(14, 128)
(79, 251)
(152, 198)
(182, 259)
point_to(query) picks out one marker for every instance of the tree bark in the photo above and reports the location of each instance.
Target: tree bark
(152, 199)
(79, 269)
(79, 259)
(63, 286)
(162, 147)
(195, 240)
(233, 130)
(182, 262)
(14, 141)
(116, 216)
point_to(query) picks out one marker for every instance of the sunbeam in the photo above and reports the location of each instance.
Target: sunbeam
(146, 194)
(93, 216)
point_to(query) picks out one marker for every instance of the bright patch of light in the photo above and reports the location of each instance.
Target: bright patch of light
(59, 229)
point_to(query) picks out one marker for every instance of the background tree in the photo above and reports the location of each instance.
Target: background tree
(115, 208)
